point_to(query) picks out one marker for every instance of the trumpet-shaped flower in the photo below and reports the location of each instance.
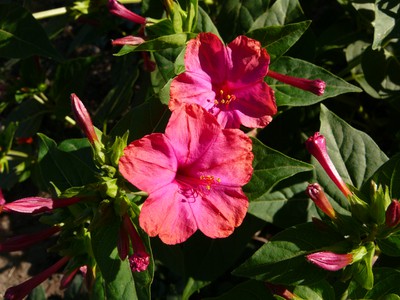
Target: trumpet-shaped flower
(329, 260)
(121, 11)
(83, 119)
(193, 174)
(228, 81)
(316, 193)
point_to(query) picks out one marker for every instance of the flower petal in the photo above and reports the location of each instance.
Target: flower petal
(191, 130)
(219, 212)
(191, 87)
(149, 163)
(249, 60)
(221, 156)
(167, 213)
(207, 54)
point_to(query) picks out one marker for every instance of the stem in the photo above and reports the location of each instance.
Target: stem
(17, 153)
(50, 13)
(129, 1)
(70, 120)
(38, 99)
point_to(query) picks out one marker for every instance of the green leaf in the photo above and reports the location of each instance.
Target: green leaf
(205, 24)
(386, 17)
(390, 245)
(237, 16)
(249, 290)
(65, 166)
(279, 39)
(280, 13)
(362, 270)
(282, 260)
(118, 280)
(21, 35)
(291, 96)
(386, 283)
(355, 155)
(193, 286)
(388, 175)
(321, 290)
(160, 43)
(270, 167)
(146, 118)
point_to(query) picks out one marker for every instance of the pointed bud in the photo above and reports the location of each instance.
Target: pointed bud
(83, 119)
(140, 259)
(316, 86)
(20, 291)
(123, 243)
(316, 193)
(68, 277)
(31, 205)
(393, 214)
(129, 40)
(280, 290)
(121, 11)
(20, 242)
(329, 260)
(316, 145)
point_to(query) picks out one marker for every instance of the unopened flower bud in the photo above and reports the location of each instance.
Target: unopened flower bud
(393, 214)
(329, 260)
(316, 193)
(316, 86)
(121, 11)
(129, 40)
(316, 145)
(83, 119)
(281, 291)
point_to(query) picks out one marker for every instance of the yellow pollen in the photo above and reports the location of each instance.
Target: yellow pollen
(209, 180)
(224, 98)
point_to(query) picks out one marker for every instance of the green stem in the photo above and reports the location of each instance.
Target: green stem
(50, 13)
(17, 153)
(38, 99)
(70, 120)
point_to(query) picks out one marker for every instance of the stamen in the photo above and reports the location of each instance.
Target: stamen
(209, 180)
(225, 99)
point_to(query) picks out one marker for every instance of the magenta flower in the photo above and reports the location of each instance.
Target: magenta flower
(316, 86)
(193, 174)
(20, 291)
(393, 214)
(121, 11)
(83, 119)
(316, 145)
(228, 81)
(140, 259)
(128, 40)
(317, 195)
(31, 205)
(20, 242)
(329, 260)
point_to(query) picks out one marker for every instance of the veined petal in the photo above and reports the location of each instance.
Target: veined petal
(221, 156)
(149, 163)
(207, 54)
(249, 60)
(220, 211)
(191, 131)
(167, 213)
(191, 87)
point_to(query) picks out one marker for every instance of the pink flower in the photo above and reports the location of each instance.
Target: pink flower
(140, 259)
(329, 260)
(281, 291)
(20, 242)
(316, 86)
(32, 205)
(121, 11)
(228, 81)
(393, 214)
(316, 193)
(316, 145)
(18, 292)
(193, 174)
(83, 119)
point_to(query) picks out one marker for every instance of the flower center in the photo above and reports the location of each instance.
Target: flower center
(224, 98)
(209, 180)
(191, 187)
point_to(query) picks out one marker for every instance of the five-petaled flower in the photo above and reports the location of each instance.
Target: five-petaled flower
(228, 81)
(193, 174)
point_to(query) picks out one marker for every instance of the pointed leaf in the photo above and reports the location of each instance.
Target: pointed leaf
(282, 260)
(387, 15)
(21, 35)
(249, 290)
(270, 167)
(280, 13)
(279, 39)
(291, 96)
(386, 283)
(355, 155)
